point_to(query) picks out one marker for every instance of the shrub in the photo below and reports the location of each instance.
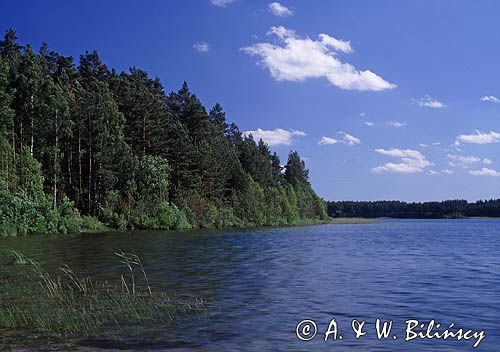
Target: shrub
(91, 223)
(69, 218)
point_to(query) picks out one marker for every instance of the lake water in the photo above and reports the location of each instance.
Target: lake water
(260, 283)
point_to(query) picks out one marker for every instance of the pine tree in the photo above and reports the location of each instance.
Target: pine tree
(7, 173)
(10, 50)
(103, 151)
(295, 170)
(218, 118)
(142, 101)
(28, 102)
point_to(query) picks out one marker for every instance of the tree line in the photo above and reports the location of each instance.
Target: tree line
(82, 142)
(425, 210)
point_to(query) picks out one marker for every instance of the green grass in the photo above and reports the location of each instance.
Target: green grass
(65, 304)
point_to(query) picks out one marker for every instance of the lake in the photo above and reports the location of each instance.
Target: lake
(260, 283)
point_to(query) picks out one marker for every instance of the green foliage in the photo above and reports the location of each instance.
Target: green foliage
(153, 178)
(69, 219)
(163, 216)
(91, 223)
(29, 175)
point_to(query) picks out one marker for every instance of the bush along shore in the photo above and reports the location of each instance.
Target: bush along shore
(81, 144)
(65, 304)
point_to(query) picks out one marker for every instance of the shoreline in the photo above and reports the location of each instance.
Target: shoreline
(107, 229)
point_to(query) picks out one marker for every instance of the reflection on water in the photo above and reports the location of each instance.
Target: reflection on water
(261, 283)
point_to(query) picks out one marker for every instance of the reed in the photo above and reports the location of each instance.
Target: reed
(67, 304)
(17, 258)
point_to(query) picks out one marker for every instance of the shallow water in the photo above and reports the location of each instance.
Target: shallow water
(260, 283)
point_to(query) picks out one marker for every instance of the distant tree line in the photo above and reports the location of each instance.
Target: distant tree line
(84, 142)
(430, 210)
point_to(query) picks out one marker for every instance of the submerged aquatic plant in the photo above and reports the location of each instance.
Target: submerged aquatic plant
(70, 305)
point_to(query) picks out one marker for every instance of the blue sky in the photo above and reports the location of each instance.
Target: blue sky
(383, 99)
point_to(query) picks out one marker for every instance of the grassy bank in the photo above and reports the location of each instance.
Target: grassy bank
(64, 303)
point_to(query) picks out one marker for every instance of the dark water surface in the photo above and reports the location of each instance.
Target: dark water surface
(260, 283)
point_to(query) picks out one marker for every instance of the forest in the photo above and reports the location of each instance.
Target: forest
(425, 210)
(82, 145)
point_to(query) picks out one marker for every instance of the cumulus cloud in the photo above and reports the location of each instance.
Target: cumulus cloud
(487, 161)
(396, 123)
(296, 59)
(201, 47)
(478, 138)
(343, 137)
(491, 99)
(428, 102)
(423, 145)
(327, 140)
(485, 172)
(222, 3)
(336, 44)
(349, 139)
(462, 160)
(275, 137)
(279, 10)
(368, 123)
(411, 161)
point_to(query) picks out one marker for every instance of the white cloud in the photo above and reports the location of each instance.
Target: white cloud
(349, 139)
(436, 143)
(275, 137)
(297, 59)
(432, 172)
(222, 3)
(462, 160)
(201, 47)
(396, 123)
(344, 138)
(336, 44)
(478, 138)
(281, 32)
(327, 140)
(428, 102)
(487, 161)
(279, 10)
(423, 145)
(368, 123)
(412, 161)
(485, 172)
(491, 99)
(447, 171)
